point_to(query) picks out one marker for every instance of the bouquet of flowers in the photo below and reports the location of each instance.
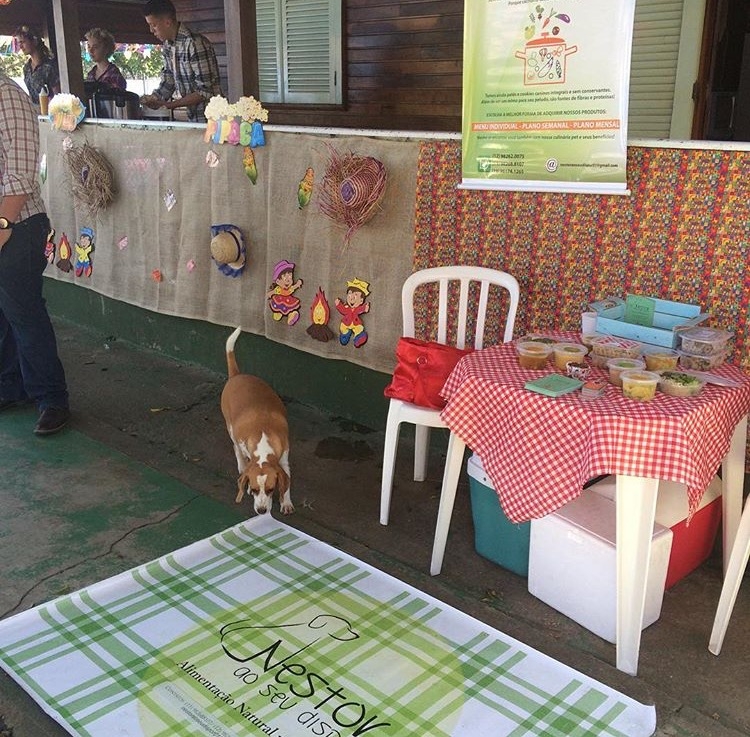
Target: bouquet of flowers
(238, 122)
(66, 111)
(246, 108)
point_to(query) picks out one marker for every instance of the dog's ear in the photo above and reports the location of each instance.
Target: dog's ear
(282, 481)
(242, 484)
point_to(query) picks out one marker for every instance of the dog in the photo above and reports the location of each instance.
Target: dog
(257, 425)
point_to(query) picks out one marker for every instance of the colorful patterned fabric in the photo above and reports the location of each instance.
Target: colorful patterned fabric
(261, 629)
(683, 234)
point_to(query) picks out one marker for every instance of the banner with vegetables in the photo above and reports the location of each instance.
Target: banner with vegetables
(546, 95)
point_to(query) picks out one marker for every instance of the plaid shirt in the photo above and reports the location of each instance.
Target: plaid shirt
(197, 70)
(19, 147)
(112, 77)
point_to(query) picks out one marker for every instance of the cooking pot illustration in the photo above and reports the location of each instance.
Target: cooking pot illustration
(545, 60)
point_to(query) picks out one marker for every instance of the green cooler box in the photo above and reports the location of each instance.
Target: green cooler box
(495, 536)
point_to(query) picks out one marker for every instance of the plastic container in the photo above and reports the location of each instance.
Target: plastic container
(610, 346)
(617, 365)
(541, 338)
(702, 341)
(639, 385)
(663, 359)
(566, 352)
(533, 355)
(588, 338)
(678, 384)
(699, 362)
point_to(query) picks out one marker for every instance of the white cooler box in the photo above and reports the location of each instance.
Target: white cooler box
(572, 564)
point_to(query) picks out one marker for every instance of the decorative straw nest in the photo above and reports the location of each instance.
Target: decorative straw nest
(351, 190)
(92, 179)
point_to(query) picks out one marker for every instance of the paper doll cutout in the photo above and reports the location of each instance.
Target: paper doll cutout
(351, 309)
(83, 249)
(280, 297)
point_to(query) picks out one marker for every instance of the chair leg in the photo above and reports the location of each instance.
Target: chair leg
(421, 451)
(732, 580)
(453, 463)
(390, 446)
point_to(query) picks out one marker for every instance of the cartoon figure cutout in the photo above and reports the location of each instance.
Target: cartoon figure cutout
(64, 253)
(281, 297)
(49, 248)
(83, 249)
(355, 305)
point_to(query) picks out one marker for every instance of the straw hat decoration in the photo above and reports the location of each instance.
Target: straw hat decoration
(228, 249)
(352, 189)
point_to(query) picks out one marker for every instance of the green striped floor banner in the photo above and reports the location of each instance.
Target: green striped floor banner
(263, 630)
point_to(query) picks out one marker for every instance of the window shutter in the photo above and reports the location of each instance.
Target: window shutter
(299, 50)
(653, 67)
(270, 67)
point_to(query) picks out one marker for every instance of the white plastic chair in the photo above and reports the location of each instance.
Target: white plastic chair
(732, 579)
(424, 418)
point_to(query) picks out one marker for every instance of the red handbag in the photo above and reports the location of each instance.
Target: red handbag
(422, 368)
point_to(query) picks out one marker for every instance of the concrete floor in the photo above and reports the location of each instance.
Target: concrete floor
(146, 467)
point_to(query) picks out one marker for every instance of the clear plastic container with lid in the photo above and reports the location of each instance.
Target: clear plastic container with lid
(701, 341)
(639, 385)
(679, 384)
(610, 346)
(617, 365)
(660, 359)
(566, 352)
(699, 362)
(533, 355)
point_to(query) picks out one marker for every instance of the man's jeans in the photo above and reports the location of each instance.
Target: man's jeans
(29, 364)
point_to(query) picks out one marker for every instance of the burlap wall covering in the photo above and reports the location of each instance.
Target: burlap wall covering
(138, 235)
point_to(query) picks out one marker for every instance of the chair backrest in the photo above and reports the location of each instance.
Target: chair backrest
(472, 310)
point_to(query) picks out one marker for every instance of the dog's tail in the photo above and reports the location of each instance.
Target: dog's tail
(232, 368)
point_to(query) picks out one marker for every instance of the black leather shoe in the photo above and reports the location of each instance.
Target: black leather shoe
(9, 403)
(52, 420)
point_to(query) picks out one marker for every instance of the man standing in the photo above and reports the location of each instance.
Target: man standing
(190, 68)
(30, 369)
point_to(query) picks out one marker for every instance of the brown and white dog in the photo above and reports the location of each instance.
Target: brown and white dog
(257, 425)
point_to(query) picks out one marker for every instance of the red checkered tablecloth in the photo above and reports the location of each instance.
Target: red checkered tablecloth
(539, 451)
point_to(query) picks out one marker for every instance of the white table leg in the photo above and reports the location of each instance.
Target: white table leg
(732, 481)
(636, 508)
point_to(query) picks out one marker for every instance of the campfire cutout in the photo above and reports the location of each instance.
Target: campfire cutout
(320, 313)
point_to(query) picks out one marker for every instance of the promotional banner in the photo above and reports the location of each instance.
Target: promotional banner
(545, 95)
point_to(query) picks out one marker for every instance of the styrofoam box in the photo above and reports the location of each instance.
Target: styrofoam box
(495, 536)
(692, 543)
(573, 568)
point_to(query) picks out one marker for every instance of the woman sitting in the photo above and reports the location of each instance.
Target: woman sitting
(40, 69)
(101, 45)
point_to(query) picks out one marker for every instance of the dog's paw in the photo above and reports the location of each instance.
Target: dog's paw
(287, 508)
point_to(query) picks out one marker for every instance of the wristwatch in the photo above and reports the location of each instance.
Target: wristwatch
(5, 224)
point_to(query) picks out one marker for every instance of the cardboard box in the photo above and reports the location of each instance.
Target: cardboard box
(669, 318)
(495, 536)
(573, 567)
(691, 544)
